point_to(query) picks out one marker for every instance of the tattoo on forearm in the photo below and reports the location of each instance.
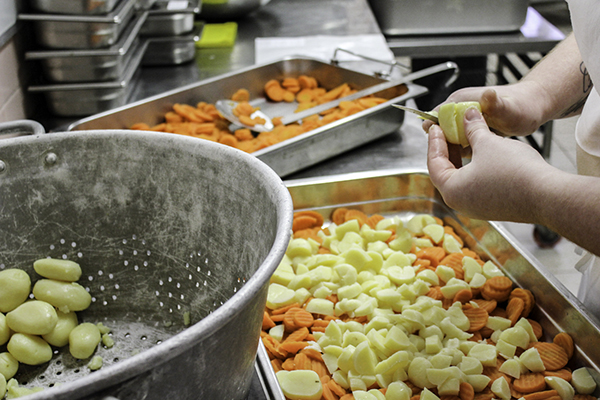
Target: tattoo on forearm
(586, 80)
(587, 85)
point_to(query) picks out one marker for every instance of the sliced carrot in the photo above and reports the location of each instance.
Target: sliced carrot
(435, 292)
(529, 383)
(434, 254)
(303, 318)
(273, 346)
(565, 341)
(289, 364)
(373, 220)
(358, 215)
(338, 215)
(312, 353)
(463, 296)
(514, 309)
(327, 393)
(311, 213)
(553, 356)
(564, 373)
(487, 305)
(277, 317)
(454, 261)
(267, 321)
(478, 318)
(298, 335)
(293, 347)
(302, 361)
(319, 367)
(336, 388)
(284, 309)
(497, 288)
(288, 319)
(537, 328)
(466, 391)
(303, 222)
(321, 322)
(276, 364)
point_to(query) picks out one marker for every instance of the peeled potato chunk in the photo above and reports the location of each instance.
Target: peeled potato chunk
(451, 120)
(300, 384)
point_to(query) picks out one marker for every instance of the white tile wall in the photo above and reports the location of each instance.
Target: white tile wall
(12, 98)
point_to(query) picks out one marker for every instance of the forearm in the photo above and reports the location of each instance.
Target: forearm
(562, 81)
(569, 205)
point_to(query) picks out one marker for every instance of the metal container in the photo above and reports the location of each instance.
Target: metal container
(229, 10)
(81, 99)
(406, 192)
(415, 17)
(91, 65)
(57, 31)
(165, 228)
(291, 155)
(171, 18)
(79, 7)
(172, 50)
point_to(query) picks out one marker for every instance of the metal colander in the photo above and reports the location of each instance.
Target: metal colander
(177, 239)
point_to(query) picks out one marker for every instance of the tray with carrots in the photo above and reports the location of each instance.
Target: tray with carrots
(278, 89)
(387, 294)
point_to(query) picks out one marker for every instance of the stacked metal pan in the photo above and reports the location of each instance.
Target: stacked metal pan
(89, 51)
(171, 32)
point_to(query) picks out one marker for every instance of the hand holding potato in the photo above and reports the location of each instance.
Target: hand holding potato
(494, 185)
(512, 110)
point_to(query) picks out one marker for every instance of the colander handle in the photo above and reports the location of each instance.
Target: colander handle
(20, 127)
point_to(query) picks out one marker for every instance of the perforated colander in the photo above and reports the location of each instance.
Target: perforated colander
(177, 239)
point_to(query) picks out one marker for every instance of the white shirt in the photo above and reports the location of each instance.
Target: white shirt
(585, 15)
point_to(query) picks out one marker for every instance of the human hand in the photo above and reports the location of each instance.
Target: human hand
(494, 185)
(511, 110)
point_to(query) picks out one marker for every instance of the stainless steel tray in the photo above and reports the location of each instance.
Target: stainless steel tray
(414, 17)
(79, 7)
(291, 155)
(81, 99)
(172, 50)
(171, 18)
(57, 31)
(90, 65)
(406, 192)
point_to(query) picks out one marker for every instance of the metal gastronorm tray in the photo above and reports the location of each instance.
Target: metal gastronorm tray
(58, 31)
(413, 17)
(406, 192)
(85, 98)
(95, 65)
(291, 155)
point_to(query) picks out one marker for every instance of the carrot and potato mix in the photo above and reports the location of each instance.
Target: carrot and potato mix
(374, 308)
(204, 121)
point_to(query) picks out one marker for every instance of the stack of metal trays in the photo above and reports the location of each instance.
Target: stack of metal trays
(89, 52)
(171, 32)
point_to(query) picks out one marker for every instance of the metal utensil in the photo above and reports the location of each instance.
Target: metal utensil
(423, 114)
(226, 106)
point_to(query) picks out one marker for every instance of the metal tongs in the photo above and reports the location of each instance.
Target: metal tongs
(226, 107)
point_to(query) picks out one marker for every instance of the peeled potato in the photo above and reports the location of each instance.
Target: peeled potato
(451, 120)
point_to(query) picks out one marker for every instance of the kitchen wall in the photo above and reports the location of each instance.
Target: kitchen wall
(13, 70)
